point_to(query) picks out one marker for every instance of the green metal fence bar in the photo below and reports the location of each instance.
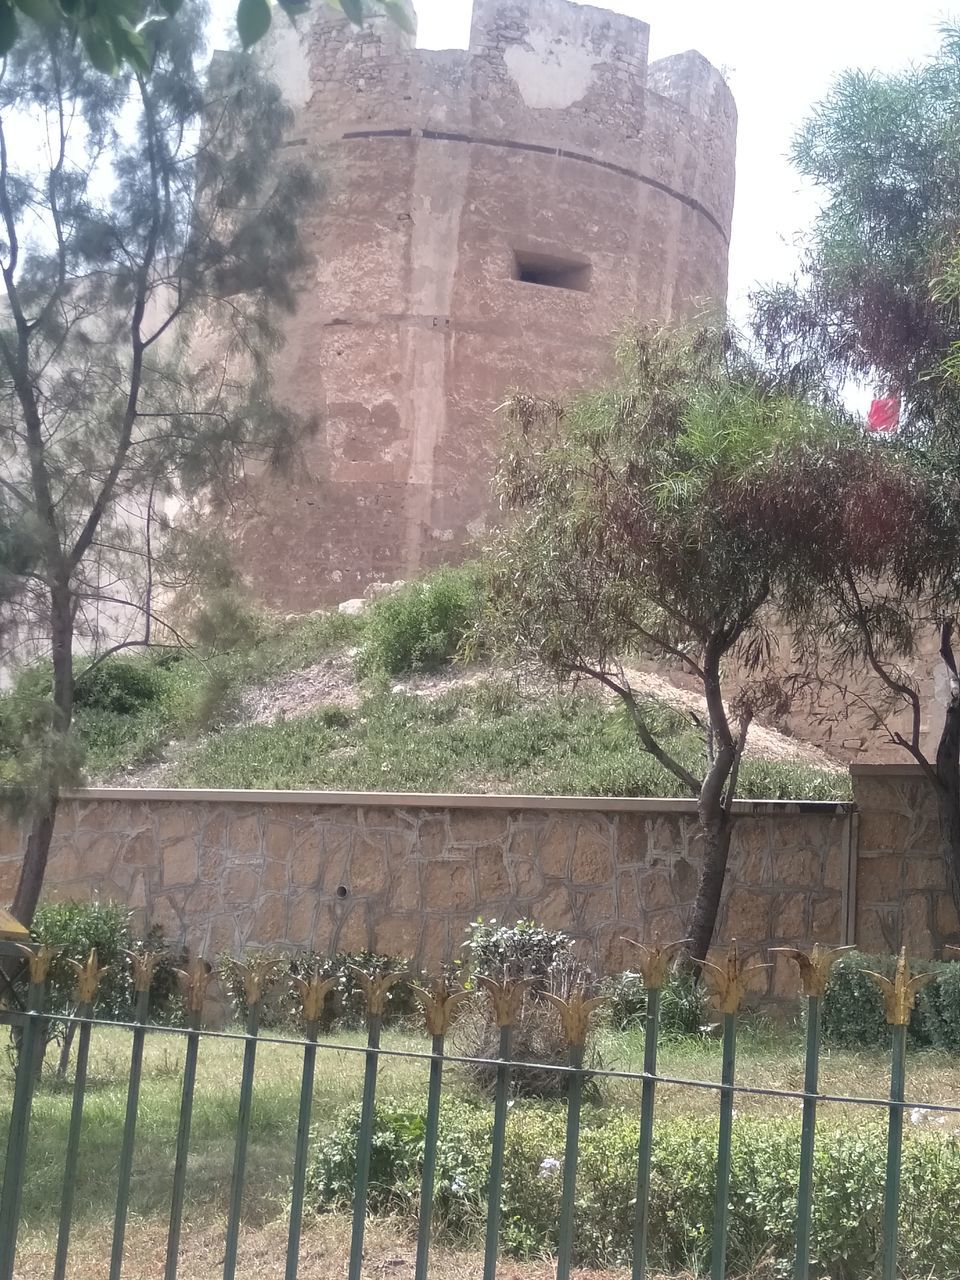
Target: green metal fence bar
(364, 1143)
(439, 1006)
(376, 990)
(427, 1177)
(808, 1131)
(648, 1096)
(73, 1142)
(312, 995)
(654, 967)
(12, 1194)
(721, 1211)
(497, 1149)
(198, 979)
(899, 996)
(143, 973)
(571, 1151)
(243, 1131)
(891, 1191)
(729, 985)
(814, 974)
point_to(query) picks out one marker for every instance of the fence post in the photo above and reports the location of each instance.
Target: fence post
(729, 985)
(143, 967)
(654, 967)
(439, 1006)
(255, 977)
(88, 979)
(196, 980)
(814, 975)
(899, 997)
(313, 992)
(575, 1020)
(376, 988)
(506, 998)
(39, 962)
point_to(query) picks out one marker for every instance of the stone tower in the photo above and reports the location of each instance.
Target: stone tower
(491, 217)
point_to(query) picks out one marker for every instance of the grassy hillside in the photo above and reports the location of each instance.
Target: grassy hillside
(243, 718)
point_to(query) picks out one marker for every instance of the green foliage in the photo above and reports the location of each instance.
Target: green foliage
(876, 295)
(118, 686)
(79, 927)
(422, 625)
(848, 1186)
(521, 950)
(226, 620)
(480, 738)
(853, 1012)
(344, 1007)
(683, 1003)
(115, 33)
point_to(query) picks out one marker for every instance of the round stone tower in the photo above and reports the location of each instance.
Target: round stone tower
(490, 219)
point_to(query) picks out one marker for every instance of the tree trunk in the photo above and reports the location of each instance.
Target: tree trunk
(947, 769)
(717, 831)
(37, 851)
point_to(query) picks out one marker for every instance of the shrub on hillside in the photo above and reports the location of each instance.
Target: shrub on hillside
(421, 626)
(120, 686)
(848, 1195)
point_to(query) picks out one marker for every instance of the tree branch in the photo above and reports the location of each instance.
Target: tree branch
(650, 744)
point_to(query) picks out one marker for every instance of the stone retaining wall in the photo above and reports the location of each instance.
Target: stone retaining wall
(900, 890)
(406, 874)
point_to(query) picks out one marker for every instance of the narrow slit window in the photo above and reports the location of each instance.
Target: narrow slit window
(555, 273)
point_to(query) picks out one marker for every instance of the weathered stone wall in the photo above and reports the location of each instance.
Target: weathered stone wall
(551, 136)
(901, 894)
(406, 875)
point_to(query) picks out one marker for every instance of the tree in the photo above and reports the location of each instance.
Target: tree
(876, 300)
(884, 152)
(117, 33)
(136, 214)
(669, 518)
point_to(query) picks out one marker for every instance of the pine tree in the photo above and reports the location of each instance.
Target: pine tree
(139, 215)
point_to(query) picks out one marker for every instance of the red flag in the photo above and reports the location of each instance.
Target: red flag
(884, 414)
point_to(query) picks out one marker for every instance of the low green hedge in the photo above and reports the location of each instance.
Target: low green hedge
(853, 1016)
(848, 1203)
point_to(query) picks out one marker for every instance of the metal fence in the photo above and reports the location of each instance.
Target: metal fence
(439, 1005)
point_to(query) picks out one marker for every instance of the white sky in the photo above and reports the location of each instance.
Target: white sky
(779, 60)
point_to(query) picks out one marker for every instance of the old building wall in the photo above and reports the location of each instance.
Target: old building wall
(549, 149)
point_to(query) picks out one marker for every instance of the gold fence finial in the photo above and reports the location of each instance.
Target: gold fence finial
(440, 1002)
(376, 987)
(39, 960)
(143, 964)
(814, 967)
(900, 992)
(313, 992)
(506, 998)
(195, 980)
(729, 980)
(256, 975)
(575, 1014)
(88, 977)
(655, 961)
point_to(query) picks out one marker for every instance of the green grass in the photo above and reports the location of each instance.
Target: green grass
(479, 738)
(197, 692)
(483, 737)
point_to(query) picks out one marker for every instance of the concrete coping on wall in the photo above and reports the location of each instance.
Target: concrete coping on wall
(894, 770)
(417, 800)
